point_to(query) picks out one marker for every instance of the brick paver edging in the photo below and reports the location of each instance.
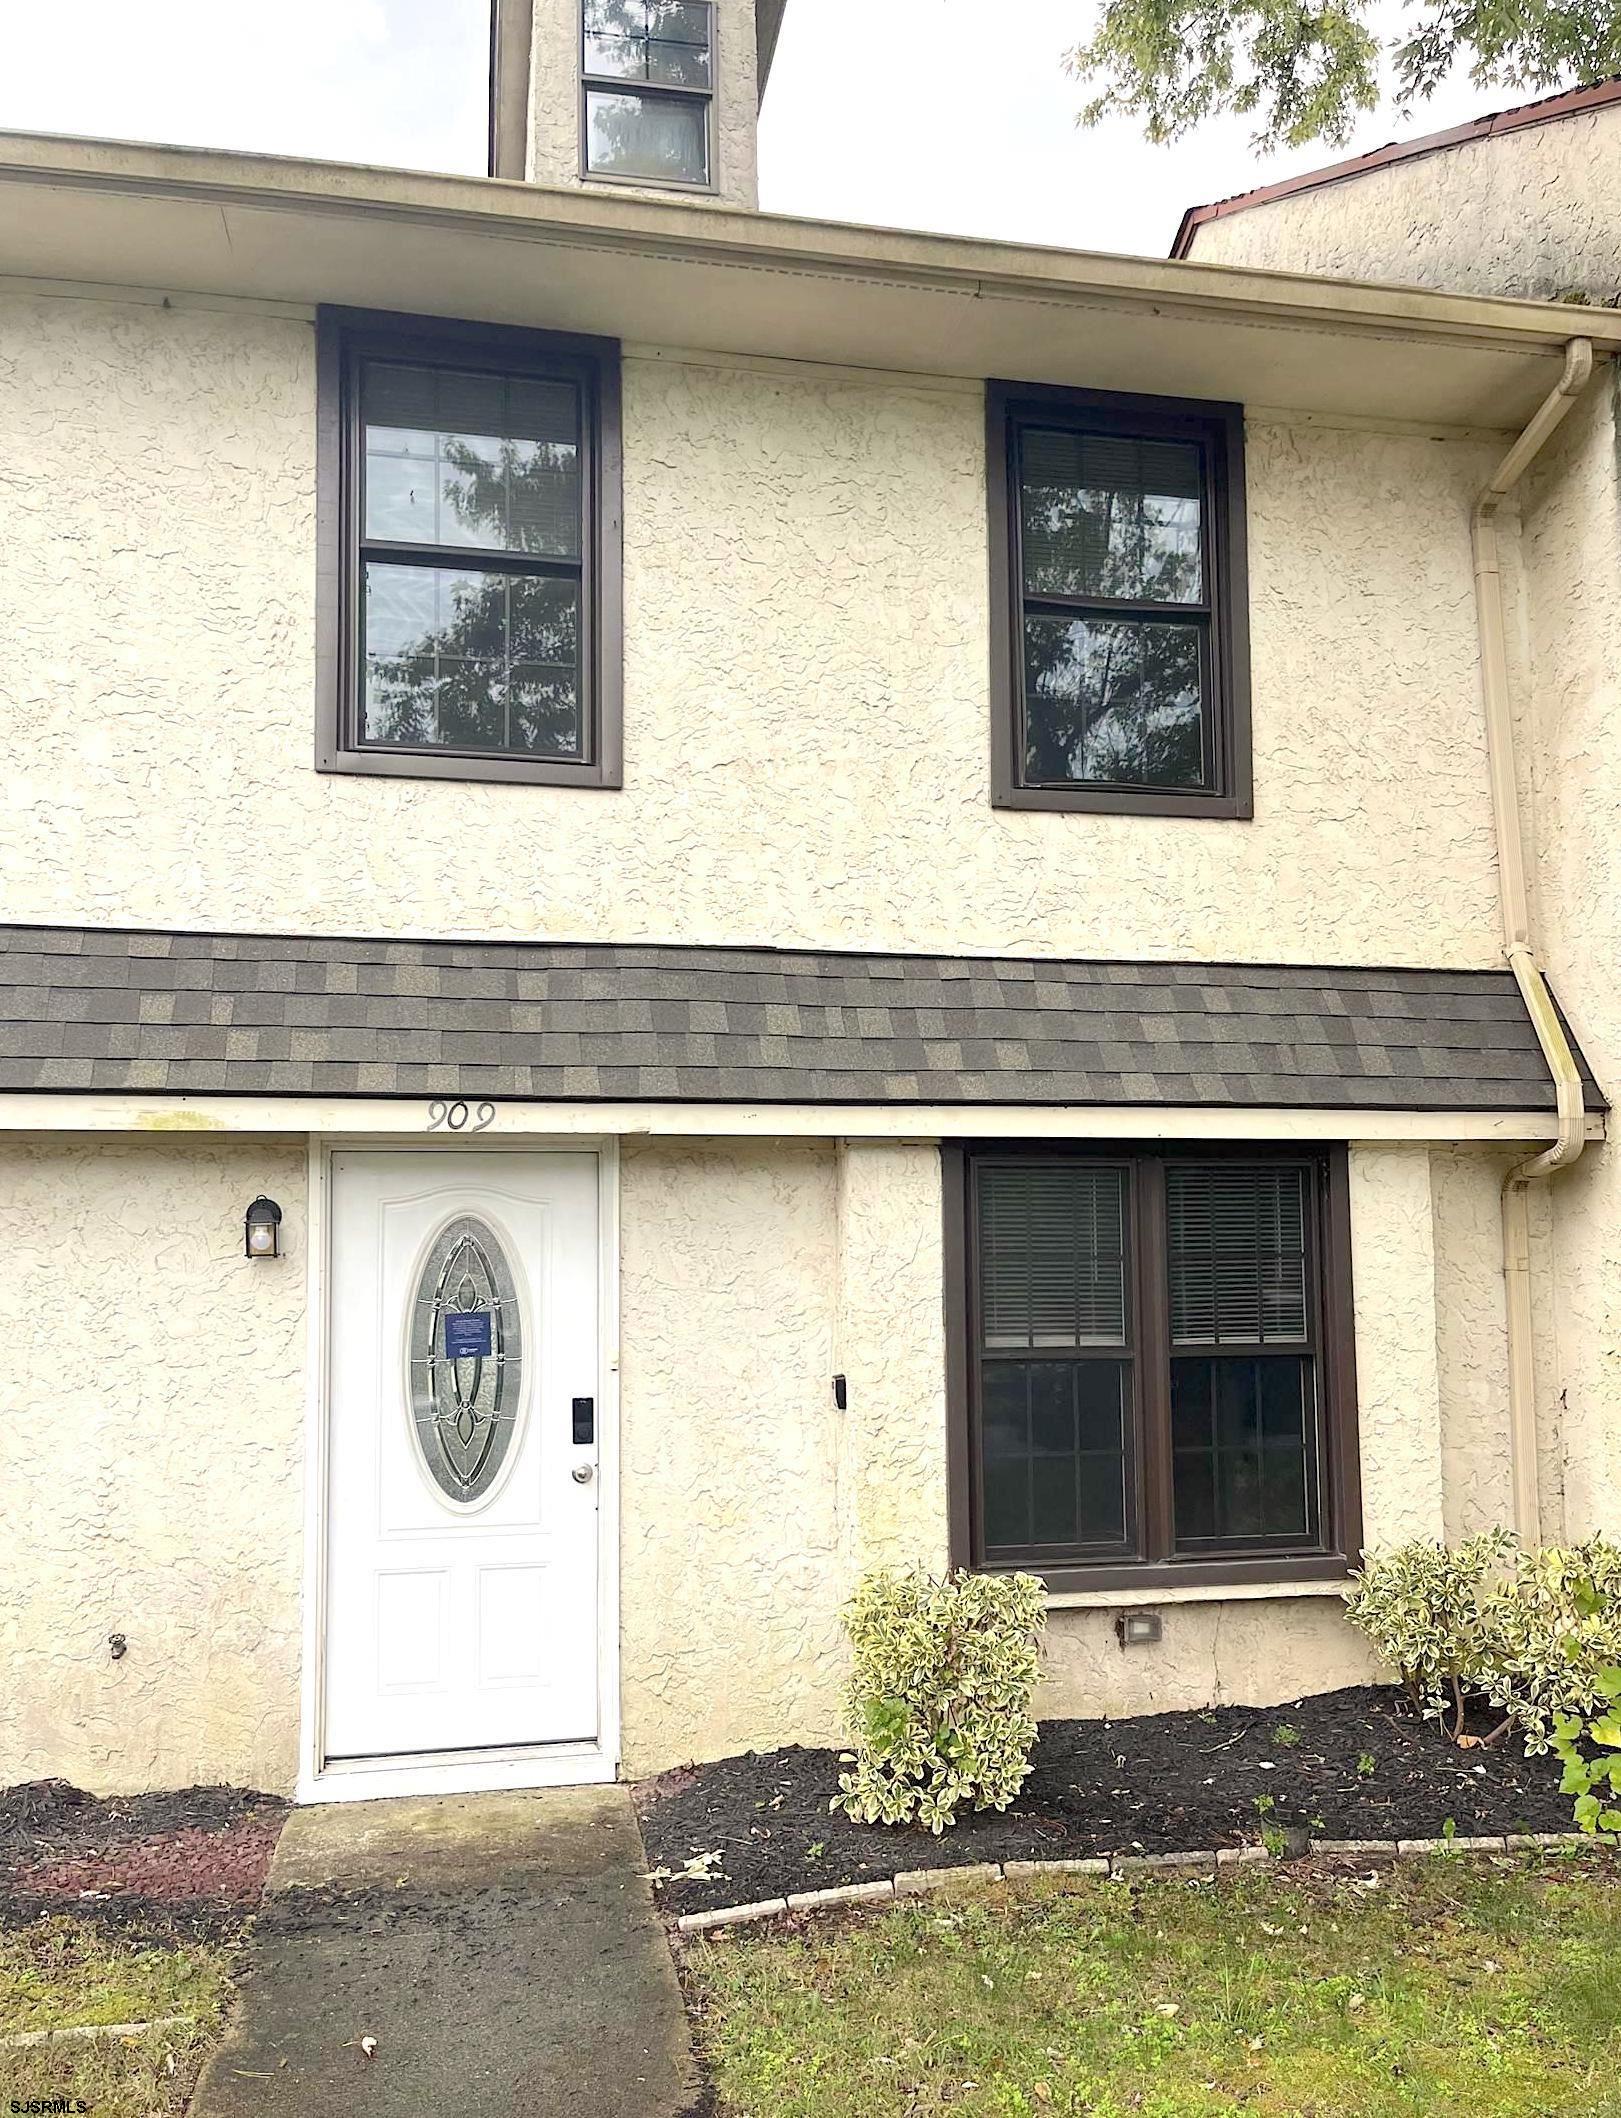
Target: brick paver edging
(918, 1882)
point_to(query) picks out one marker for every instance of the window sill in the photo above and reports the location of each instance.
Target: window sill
(1149, 1597)
(1104, 801)
(460, 765)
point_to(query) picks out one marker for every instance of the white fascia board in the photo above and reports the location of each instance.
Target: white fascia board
(403, 1118)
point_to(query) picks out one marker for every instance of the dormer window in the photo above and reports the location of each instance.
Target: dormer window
(647, 84)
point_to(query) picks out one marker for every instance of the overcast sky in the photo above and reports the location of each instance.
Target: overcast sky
(910, 113)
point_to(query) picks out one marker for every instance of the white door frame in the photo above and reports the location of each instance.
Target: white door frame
(543, 1765)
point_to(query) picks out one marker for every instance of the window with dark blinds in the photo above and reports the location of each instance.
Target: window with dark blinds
(1052, 1256)
(1151, 1385)
(1236, 1238)
(1055, 1367)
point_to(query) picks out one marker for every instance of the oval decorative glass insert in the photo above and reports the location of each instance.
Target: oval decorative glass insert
(465, 1376)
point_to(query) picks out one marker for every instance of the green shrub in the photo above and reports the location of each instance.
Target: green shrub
(1529, 1631)
(1557, 1631)
(940, 1690)
(1427, 1609)
(1586, 1776)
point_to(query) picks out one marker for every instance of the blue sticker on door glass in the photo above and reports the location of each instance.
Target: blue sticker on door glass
(467, 1335)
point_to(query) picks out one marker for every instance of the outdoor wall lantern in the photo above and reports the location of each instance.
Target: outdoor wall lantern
(261, 1229)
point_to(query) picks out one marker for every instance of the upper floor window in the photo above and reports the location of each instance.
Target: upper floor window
(1121, 678)
(1157, 1349)
(647, 74)
(470, 552)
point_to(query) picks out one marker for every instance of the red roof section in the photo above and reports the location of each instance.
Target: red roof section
(1548, 110)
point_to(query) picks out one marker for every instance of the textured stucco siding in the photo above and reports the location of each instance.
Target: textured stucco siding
(890, 1346)
(153, 1485)
(151, 1453)
(1572, 549)
(554, 106)
(1393, 1242)
(806, 679)
(730, 1571)
(752, 1274)
(1534, 212)
(1241, 1652)
(1471, 1342)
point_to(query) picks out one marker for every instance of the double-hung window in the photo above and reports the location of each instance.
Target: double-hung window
(470, 552)
(647, 89)
(1120, 678)
(1156, 1351)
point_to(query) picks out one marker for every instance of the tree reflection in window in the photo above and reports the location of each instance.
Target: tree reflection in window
(648, 68)
(1116, 615)
(471, 544)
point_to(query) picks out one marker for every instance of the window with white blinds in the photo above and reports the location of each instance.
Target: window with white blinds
(1149, 1375)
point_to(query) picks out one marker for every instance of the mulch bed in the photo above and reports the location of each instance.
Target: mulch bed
(1166, 1783)
(165, 1867)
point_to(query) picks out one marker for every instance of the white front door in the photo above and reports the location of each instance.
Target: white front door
(461, 1517)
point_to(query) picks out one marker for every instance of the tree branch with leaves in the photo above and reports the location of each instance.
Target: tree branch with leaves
(1305, 69)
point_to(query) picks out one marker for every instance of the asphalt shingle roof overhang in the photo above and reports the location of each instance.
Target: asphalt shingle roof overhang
(89, 1009)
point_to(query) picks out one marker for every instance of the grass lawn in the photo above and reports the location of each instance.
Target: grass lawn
(61, 1973)
(1481, 1987)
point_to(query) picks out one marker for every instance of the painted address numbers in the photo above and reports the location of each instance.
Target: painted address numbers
(460, 1117)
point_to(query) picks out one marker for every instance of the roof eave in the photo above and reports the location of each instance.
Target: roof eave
(201, 222)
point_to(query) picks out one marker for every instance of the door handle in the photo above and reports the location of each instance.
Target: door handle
(583, 1473)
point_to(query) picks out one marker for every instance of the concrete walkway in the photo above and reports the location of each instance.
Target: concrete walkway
(502, 1950)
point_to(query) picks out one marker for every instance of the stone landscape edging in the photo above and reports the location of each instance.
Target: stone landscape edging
(973, 1875)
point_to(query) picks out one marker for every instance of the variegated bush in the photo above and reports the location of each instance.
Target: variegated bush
(944, 1670)
(1528, 1630)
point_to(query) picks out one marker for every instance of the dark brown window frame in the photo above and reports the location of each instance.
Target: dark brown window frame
(344, 337)
(1339, 1546)
(615, 85)
(1219, 430)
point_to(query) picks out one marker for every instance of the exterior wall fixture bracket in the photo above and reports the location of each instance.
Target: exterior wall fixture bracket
(1518, 945)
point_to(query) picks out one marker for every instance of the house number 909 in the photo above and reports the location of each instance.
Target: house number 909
(460, 1117)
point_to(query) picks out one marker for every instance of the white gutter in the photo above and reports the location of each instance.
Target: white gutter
(1517, 941)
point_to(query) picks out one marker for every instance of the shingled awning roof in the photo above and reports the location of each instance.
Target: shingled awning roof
(229, 1014)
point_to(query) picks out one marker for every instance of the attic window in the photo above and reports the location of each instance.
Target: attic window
(647, 73)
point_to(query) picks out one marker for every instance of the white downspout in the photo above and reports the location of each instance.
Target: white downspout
(1517, 942)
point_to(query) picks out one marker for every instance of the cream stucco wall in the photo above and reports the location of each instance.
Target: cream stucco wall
(806, 682)
(1572, 543)
(1534, 212)
(753, 1273)
(731, 1572)
(154, 1485)
(151, 1450)
(554, 105)
(806, 688)
(1256, 1651)
(1471, 1342)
